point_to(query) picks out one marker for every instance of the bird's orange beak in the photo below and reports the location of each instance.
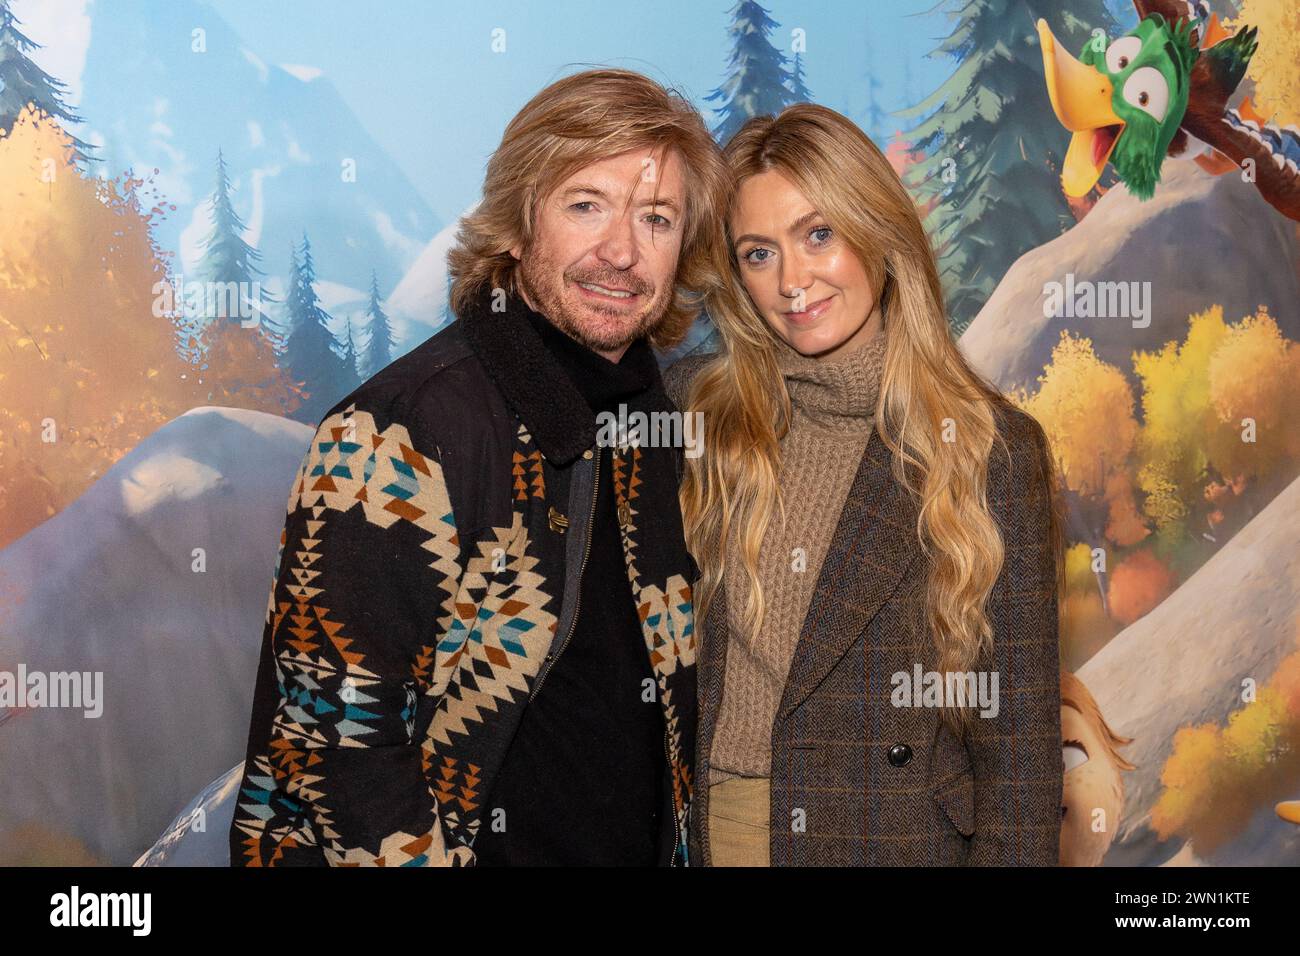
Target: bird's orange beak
(1081, 100)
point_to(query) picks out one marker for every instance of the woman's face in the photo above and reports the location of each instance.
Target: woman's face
(808, 285)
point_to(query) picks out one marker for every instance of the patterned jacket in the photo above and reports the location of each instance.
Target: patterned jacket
(427, 580)
(858, 781)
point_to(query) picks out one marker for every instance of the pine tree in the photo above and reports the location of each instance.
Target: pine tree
(379, 350)
(994, 149)
(757, 82)
(311, 357)
(875, 116)
(277, 329)
(23, 82)
(798, 89)
(228, 264)
(350, 356)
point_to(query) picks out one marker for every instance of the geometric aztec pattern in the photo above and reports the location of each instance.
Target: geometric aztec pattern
(351, 683)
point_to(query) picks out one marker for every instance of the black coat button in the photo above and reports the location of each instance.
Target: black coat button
(899, 754)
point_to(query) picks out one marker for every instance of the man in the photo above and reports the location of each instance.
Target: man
(479, 645)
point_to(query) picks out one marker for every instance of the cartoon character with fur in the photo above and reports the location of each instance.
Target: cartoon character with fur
(1092, 800)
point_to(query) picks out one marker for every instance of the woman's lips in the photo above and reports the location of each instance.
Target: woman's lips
(810, 314)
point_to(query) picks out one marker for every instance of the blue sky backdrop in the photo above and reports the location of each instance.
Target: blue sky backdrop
(423, 78)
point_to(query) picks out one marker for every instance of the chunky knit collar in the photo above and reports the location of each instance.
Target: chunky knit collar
(839, 393)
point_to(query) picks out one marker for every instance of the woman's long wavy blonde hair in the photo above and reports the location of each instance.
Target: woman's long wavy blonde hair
(732, 489)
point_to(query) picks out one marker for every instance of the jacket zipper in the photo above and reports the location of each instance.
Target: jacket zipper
(672, 808)
(577, 599)
(573, 625)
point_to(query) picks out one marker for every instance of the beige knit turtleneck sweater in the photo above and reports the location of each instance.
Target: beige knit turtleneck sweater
(833, 402)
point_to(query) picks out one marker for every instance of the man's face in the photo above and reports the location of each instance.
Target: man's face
(603, 256)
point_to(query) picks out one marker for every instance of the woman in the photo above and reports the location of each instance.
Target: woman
(876, 531)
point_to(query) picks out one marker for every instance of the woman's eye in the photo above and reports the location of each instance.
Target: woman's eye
(818, 232)
(663, 220)
(579, 205)
(749, 257)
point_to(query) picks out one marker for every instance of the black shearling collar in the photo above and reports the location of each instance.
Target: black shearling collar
(534, 383)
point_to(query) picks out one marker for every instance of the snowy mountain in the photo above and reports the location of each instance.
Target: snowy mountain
(167, 85)
(114, 584)
(200, 834)
(419, 301)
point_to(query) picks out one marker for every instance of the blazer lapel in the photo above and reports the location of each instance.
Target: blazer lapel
(873, 544)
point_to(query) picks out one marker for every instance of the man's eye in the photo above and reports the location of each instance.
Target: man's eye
(578, 205)
(663, 221)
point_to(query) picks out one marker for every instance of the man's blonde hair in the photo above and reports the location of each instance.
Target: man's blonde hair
(576, 121)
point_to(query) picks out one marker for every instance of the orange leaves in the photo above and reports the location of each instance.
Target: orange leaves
(1138, 584)
(78, 337)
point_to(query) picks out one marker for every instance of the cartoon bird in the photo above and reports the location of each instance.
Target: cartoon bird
(1134, 100)
(1092, 796)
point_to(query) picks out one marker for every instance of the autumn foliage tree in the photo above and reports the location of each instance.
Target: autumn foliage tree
(1219, 441)
(89, 364)
(87, 371)
(236, 367)
(1217, 778)
(1273, 67)
(1086, 406)
(1149, 500)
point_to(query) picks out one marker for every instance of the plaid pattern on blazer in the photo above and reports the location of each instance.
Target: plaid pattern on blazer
(837, 798)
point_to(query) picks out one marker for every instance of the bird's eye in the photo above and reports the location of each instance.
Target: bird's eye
(1073, 754)
(1147, 90)
(1121, 53)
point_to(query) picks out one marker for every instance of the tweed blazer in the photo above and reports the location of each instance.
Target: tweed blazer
(858, 781)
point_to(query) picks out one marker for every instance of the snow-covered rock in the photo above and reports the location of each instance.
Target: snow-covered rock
(200, 834)
(111, 585)
(1183, 664)
(1200, 240)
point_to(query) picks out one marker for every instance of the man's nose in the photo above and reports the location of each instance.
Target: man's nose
(618, 245)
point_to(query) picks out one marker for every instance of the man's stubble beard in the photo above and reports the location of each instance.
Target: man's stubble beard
(544, 284)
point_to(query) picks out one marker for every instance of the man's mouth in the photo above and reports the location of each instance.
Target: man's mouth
(608, 291)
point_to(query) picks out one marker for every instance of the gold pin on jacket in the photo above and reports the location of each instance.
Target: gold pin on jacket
(556, 520)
